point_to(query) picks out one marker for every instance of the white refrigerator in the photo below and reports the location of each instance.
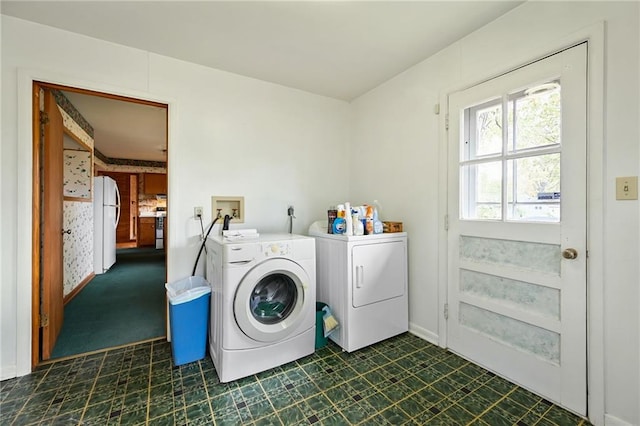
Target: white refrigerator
(106, 215)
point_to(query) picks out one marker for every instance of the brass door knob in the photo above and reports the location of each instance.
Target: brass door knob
(570, 253)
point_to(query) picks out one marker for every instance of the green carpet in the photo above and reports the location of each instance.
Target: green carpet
(124, 305)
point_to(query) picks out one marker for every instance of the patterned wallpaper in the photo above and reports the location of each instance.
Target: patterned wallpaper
(69, 123)
(77, 246)
(77, 174)
(67, 108)
(77, 215)
(127, 162)
(130, 168)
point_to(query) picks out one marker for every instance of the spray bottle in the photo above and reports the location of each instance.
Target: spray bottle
(377, 223)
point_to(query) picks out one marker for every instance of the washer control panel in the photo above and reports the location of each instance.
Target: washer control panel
(276, 249)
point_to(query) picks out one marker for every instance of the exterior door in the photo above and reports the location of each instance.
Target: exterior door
(517, 234)
(51, 286)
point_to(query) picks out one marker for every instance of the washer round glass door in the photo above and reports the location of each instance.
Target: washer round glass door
(271, 299)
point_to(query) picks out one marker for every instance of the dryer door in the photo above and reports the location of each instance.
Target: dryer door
(379, 272)
(271, 300)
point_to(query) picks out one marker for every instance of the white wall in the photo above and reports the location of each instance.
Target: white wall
(228, 135)
(395, 145)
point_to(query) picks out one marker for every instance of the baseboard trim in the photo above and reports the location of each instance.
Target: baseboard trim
(423, 333)
(78, 288)
(9, 372)
(610, 420)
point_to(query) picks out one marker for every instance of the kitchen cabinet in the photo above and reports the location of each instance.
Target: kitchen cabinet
(147, 231)
(155, 183)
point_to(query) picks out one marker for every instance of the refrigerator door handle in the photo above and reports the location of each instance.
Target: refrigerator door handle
(117, 206)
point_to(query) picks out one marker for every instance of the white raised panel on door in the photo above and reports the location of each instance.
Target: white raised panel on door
(378, 272)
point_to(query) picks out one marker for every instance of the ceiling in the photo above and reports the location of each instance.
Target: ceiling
(339, 49)
(122, 129)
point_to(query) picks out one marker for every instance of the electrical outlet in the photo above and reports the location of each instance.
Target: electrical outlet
(197, 213)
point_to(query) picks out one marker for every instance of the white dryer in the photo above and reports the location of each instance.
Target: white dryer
(364, 281)
(262, 302)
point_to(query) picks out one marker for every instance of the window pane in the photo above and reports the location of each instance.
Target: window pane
(482, 191)
(537, 117)
(488, 130)
(533, 188)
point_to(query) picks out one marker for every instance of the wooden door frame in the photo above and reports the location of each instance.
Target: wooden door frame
(35, 300)
(35, 227)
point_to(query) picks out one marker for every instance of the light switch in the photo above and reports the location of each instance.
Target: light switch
(627, 188)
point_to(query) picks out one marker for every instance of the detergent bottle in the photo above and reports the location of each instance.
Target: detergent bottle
(368, 227)
(358, 227)
(338, 226)
(348, 219)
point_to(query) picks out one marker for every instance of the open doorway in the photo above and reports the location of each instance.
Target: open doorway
(104, 137)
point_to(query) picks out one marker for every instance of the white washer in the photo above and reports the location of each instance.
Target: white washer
(262, 302)
(364, 281)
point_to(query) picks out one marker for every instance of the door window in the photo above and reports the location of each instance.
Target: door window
(273, 298)
(510, 157)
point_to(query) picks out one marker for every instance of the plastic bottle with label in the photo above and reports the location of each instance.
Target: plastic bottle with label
(368, 227)
(377, 206)
(348, 219)
(332, 214)
(358, 226)
(378, 228)
(338, 226)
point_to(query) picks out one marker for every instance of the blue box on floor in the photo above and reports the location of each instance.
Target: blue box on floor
(321, 341)
(189, 320)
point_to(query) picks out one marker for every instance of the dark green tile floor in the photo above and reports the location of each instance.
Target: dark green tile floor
(403, 380)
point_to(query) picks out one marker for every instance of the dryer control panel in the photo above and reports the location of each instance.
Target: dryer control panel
(279, 248)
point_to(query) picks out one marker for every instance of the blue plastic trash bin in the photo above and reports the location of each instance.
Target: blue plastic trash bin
(189, 301)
